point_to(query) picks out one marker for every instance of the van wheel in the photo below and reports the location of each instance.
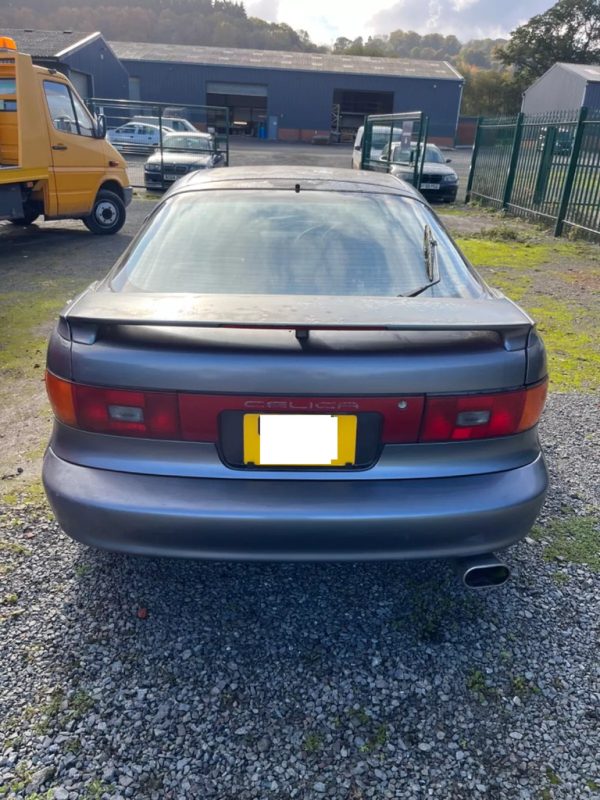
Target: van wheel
(108, 213)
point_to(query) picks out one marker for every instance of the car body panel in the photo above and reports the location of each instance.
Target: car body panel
(240, 354)
(307, 520)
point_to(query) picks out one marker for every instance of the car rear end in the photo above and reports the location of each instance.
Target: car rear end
(238, 420)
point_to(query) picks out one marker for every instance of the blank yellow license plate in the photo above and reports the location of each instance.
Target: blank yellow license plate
(300, 440)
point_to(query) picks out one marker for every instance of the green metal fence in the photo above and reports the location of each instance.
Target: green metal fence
(542, 166)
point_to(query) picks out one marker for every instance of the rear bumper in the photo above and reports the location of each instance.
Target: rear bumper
(294, 520)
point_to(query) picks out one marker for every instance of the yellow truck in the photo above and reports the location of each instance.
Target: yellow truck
(54, 158)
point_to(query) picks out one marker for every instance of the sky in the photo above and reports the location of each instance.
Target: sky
(325, 20)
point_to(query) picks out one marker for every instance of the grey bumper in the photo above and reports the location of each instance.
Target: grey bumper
(293, 520)
(127, 195)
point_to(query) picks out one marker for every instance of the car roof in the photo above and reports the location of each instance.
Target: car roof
(192, 134)
(279, 177)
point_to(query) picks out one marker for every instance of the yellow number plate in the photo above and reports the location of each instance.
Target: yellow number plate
(300, 440)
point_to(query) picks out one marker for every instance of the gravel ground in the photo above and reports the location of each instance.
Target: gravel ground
(129, 677)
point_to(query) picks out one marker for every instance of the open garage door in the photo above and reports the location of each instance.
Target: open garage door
(247, 104)
(351, 107)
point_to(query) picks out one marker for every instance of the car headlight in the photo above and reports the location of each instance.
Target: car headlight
(152, 167)
(450, 179)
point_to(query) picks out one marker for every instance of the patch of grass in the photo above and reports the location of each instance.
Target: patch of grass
(313, 742)
(575, 539)
(95, 789)
(593, 786)
(377, 740)
(80, 704)
(49, 711)
(552, 777)
(476, 682)
(24, 318)
(15, 548)
(33, 494)
(73, 746)
(571, 337)
(522, 687)
(486, 253)
(10, 599)
(504, 233)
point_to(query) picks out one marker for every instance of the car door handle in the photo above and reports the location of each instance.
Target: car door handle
(59, 147)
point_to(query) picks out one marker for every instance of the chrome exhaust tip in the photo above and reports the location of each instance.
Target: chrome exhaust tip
(482, 572)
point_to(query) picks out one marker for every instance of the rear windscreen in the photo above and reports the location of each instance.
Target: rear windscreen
(283, 242)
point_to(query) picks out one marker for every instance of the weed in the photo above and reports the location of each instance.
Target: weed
(95, 789)
(552, 777)
(10, 599)
(313, 742)
(593, 786)
(81, 570)
(73, 746)
(572, 538)
(377, 740)
(14, 548)
(80, 704)
(476, 682)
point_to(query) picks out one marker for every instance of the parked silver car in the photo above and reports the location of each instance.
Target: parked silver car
(181, 153)
(296, 363)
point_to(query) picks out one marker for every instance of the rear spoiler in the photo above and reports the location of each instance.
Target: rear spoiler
(301, 313)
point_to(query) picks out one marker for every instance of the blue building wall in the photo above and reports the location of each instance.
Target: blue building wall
(109, 76)
(301, 100)
(592, 96)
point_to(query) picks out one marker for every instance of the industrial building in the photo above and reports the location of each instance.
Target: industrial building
(279, 95)
(564, 87)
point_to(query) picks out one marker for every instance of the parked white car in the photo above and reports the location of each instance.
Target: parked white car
(380, 137)
(174, 123)
(137, 135)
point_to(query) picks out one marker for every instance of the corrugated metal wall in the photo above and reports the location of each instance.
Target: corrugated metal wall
(302, 100)
(592, 96)
(559, 89)
(109, 76)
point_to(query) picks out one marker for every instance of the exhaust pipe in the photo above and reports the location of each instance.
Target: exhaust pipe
(482, 572)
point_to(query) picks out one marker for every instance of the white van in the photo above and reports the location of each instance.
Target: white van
(173, 123)
(381, 137)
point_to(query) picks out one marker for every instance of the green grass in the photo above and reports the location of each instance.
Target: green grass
(313, 742)
(23, 316)
(571, 330)
(575, 539)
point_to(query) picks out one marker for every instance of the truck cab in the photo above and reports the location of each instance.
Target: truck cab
(54, 158)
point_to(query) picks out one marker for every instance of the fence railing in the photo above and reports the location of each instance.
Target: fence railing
(542, 166)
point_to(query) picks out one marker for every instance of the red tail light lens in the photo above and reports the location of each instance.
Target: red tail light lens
(195, 417)
(482, 416)
(154, 415)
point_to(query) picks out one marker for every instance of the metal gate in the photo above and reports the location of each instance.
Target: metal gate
(163, 141)
(395, 140)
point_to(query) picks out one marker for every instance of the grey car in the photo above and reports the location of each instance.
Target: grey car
(438, 180)
(181, 153)
(296, 363)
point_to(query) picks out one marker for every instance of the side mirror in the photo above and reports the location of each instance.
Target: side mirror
(448, 161)
(100, 126)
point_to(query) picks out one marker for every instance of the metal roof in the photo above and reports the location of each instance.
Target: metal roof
(47, 44)
(590, 72)
(277, 59)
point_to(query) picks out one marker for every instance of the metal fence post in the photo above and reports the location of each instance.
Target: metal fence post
(474, 159)
(514, 157)
(570, 177)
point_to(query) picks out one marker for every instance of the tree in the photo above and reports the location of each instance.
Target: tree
(569, 31)
(489, 92)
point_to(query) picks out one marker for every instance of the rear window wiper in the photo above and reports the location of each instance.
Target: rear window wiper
(430, 258)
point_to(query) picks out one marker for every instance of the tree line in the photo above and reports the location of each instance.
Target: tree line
(496, 71)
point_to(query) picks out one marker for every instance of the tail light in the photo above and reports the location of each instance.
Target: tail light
(482, 416)
(194, 417)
